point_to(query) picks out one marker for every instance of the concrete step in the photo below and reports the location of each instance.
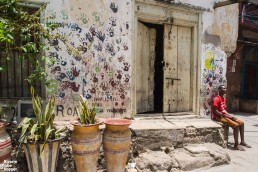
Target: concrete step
(177, 143)
(155, 133)
(178, 115)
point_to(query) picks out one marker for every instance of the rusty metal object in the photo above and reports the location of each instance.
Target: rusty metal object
(116, 144)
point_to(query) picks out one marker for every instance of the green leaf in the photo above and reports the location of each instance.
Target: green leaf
(48, 132)
(24, 132)
(87, 115)
(34, 130)
(25, 121)
(10, 36)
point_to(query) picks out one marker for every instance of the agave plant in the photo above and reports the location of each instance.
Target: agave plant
(40, 129)
(87, 115)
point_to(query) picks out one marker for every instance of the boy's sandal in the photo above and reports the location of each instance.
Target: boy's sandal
(238, 147)
(246, 145)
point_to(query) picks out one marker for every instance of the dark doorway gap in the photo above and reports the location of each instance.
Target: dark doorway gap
(158, 65)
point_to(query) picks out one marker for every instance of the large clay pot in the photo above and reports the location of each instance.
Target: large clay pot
(5, 143)
(86, 141)
(116, 144)
(46, 162)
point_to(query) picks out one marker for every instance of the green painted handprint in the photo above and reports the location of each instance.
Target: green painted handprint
(84, 19)
(64, 15)
(96, 16)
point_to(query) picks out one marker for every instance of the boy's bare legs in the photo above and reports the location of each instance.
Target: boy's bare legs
(235, 133)
(242, 136)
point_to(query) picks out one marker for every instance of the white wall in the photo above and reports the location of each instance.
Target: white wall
(100, 69)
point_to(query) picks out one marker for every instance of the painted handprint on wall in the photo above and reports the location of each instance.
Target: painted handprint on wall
(83, 47)
(70, 75)
(98, 47)
(51, 14)
(64, 15)
(89, 37)
(61, 76)
(126, 66)
(101, 63)
(92, 31)
(106, 66)
(111, 31)
(75, 72)
(101, 36)
(94, 78)
(112, 21)
(84, 19)
(121, 58)
(103, 85)
(60, 61)
(113, 7)
(55, 69)
(71, 85)
(110, 49)
(124, 44)
(119, 74)
(96, 16)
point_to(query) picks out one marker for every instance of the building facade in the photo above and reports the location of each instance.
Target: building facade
(135, 57)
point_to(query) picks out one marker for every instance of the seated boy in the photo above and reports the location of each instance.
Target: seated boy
(220, 114)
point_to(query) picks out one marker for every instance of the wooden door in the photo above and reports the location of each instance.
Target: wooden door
(177, 69)
(145, 58)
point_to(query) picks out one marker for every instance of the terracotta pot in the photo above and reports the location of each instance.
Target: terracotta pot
(116, 144)
(86, 141)
(46, 162)
(5, 143)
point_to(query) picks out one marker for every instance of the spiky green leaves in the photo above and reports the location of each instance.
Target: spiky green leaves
(87, 115)
(42, 128)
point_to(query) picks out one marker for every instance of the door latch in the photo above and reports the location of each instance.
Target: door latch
(172, 80)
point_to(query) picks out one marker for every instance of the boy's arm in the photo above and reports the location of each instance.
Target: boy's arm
(216, 111)
(224, 113)
(228, 115)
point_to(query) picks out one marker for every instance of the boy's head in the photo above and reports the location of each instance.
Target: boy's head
(222, 89)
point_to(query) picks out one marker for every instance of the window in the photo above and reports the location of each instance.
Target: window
(12, 79)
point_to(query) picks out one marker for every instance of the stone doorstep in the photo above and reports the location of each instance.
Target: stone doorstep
(155, 133)
(173, 138)
(172, 131)
(150, 124)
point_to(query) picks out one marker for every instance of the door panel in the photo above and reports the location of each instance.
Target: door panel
(170, 69)
(177, 81)
(146, 41)
(184, 63)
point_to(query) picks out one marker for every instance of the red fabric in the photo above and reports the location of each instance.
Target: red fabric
(220, 102)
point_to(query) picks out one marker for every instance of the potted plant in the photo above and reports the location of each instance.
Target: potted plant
(116, 143)
(86, 138)
(5, 140)
(39, 139)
